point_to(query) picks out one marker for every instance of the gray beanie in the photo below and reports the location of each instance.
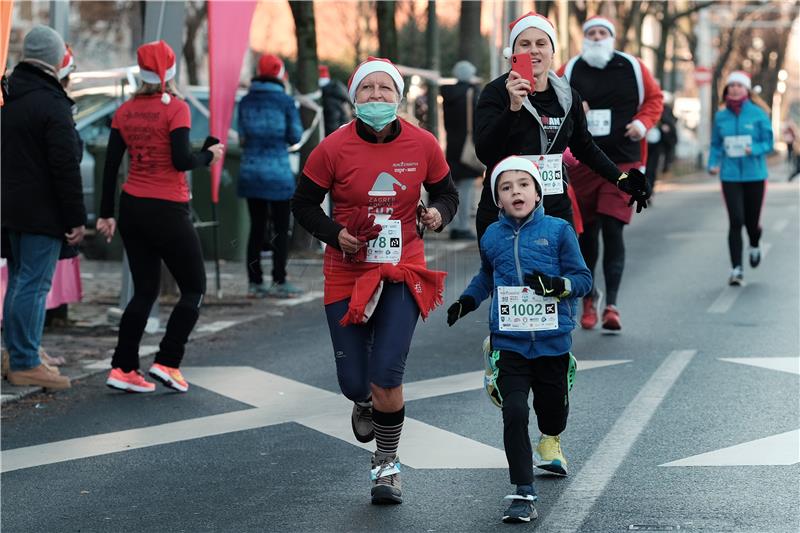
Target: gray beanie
(464, 71)
(44, 44)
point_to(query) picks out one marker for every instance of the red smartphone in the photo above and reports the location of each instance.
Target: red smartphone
(523, 65)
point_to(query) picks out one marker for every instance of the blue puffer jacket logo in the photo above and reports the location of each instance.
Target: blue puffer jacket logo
(268, 123)
(509, 251)
(752, 121)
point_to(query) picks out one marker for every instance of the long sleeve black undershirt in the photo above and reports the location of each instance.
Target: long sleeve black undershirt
(183, 159)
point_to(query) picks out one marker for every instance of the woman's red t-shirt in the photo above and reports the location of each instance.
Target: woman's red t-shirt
(145, 124)
(386, 177)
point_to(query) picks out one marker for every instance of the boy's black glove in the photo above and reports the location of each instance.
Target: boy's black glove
(545, 285)
(464, 305)
(635, 183)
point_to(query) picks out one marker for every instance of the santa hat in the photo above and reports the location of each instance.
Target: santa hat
(739, 76)
(603, 22)
(157, 65)
(67, 64)
(370, 66)
(515, 162)
(324, 72)
(530, 20)
(271, 66)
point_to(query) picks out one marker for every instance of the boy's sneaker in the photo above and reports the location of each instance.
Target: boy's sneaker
(284, 290)
(611, 321)
(548, 455)
(361, 421)
(521, 509)
(589, 315)
(256, 290)
(171, 377)
(385, 475)
(132, 381)
(755, 256)
(736, 278)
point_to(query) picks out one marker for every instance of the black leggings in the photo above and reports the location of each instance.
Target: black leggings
(279, 213)
(743, 200)
(613, 252)
(153, 230)
(517, 376)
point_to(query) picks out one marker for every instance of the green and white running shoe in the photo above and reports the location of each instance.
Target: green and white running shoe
(490, 358)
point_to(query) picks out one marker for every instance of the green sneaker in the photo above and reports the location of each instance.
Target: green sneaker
(256, 290)
(284, 290)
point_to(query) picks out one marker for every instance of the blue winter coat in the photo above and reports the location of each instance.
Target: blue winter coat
(509, 251)
(268, 123)
(752, 121)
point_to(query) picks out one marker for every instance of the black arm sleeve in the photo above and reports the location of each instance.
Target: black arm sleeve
(583, 146)
(444, 197)
(182, 156)
(114, 152)
(307, 210)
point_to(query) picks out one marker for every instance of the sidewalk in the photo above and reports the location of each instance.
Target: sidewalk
(87, 341)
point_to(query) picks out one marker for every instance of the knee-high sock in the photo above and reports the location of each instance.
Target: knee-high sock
(388, 427)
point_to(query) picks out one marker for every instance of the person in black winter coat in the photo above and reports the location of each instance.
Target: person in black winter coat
(516, 119)
(454, 105)
(42, 199)
(335, 101)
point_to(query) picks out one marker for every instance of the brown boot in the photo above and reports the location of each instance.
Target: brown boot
(38, 376)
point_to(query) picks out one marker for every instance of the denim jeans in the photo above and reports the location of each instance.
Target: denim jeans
(30, 274)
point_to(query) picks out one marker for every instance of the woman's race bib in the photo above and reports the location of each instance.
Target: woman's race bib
(388, 246)
(550, 167)
(736, 145)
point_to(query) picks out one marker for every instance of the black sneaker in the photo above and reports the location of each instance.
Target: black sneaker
(361, 421)
(755, 256)
(385, 475)
(521, 509)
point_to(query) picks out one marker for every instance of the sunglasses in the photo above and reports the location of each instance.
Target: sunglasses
(421, 210)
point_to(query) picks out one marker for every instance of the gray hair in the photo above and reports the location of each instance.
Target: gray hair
(464, 71)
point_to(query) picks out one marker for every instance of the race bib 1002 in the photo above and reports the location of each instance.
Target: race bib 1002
(521, 309)
(599, 122)
(551, 170)
(387, 247)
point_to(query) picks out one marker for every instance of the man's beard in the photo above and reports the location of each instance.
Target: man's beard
(598, 53)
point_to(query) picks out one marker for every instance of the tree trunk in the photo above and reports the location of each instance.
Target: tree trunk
(469, 32)
(432, 43)
(307, 76)
(387, 29)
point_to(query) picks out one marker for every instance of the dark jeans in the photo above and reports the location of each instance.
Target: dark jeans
(743, 200)
(547, 378)
(31, 264)
(374, 352)
(153, 230)
(613, 252)
(279, 212)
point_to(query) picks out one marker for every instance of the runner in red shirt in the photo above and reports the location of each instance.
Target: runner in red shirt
(154, 217)
(376, 280)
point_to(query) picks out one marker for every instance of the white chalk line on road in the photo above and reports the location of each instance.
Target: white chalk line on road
(575, 503)
(730, 294)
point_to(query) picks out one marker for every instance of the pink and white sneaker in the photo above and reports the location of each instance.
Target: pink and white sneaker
(132, 381)
(171, 377)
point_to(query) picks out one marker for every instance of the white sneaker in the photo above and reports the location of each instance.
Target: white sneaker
(736, 278)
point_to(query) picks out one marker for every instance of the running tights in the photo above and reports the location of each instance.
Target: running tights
(743, 200)
(613, 252)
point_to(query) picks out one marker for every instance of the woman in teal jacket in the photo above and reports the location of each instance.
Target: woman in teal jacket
(741, 138)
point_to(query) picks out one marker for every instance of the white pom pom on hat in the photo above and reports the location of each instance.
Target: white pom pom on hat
(739, 76)
(370, 66)
(514, 162)
(530, 19)
(157, 65)
(603, 22)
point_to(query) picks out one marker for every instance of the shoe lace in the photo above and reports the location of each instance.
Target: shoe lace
(391, 479)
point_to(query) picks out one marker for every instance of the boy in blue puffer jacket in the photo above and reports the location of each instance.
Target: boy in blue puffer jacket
(531, 264)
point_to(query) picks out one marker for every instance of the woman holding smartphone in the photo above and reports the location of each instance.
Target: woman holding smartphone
(532, 112)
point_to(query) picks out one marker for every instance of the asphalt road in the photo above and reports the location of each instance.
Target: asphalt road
(260, 441)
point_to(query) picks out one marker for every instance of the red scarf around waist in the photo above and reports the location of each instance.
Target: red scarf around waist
(426, 286)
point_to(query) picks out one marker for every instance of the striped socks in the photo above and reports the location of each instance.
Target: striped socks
(388, 427)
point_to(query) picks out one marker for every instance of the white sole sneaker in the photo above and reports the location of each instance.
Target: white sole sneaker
(127, 387)
(166, 380)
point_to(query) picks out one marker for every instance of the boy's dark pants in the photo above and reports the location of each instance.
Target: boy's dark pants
(547, 377)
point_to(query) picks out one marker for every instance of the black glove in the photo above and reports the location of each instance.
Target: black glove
(635, 183)
(464, 305)
(545, 285)
(209, 142)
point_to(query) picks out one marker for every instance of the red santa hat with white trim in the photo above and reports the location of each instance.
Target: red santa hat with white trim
(603, 22)
(67, 64)
(739, 76)
(157, 65)
(530, 19)
(370, 66)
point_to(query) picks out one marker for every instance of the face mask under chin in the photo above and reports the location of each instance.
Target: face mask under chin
(377, 115)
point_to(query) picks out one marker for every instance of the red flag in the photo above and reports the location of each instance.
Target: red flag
(228, 40)
(6, 6)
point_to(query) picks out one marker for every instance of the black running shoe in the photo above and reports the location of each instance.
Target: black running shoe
(521, 509)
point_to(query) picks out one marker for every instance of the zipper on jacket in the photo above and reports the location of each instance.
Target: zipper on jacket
(517, 231)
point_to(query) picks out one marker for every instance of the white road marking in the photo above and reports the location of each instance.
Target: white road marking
(216, 326)
(577, 500)
(781, 449)
(781, 364)
(310, 296)
(277, 400)
(729, 294)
